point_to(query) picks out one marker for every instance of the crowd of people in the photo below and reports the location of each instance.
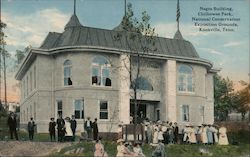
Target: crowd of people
(157, 134)
(169, 133)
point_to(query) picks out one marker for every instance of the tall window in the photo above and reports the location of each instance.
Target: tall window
(79, 109)
(24, 116)
(142, 84)
(101, 71)
(27, 118)
(185, 79)
(31, 111)
(202, 113)
(185, 113)
(103, 110)
(34, 111)
(34, 77)
(27, 84)
(31, 81)
(59, 107)
(24, 91)
(67, 66)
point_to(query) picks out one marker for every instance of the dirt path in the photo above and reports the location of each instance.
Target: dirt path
(26, 148)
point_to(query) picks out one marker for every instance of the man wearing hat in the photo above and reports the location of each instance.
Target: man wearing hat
(52, 129)
(60, 128)
(73, 125)
(88, 127)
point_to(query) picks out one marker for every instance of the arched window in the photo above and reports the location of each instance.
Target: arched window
(101, 71)
(67, 66)
(142, 84)
(185, 78)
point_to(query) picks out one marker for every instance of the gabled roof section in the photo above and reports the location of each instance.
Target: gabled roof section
(50, 40)
(73, 22)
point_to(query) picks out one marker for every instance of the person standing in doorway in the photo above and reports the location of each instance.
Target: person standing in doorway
(88, 127)
(60, 128)
(52, 129)
(95, 129)
(31, 128)
(73, 125)
(12, 123)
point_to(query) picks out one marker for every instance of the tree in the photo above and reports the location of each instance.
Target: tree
(223, 97)
(139, 39)
(20, 54)
(3, 54)
(242, 100)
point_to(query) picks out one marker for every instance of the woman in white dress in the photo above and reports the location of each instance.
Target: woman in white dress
(155, 136)
(192, 136)
(68, 132)
(223, 136)
(160, 135)
(204, 134)
(137, 149)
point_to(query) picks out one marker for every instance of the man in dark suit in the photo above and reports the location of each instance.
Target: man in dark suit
(95, 129)
(12, 123)
(88, 127)
(73, 125)
(31, 128)
(60, 128)
(52, 129)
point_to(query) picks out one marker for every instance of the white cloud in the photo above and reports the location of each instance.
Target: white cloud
(188, 30)
(212, 51)
(232, 43)
(24, 30)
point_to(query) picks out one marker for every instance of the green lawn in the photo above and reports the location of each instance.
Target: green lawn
(241, 150)
(172, 150)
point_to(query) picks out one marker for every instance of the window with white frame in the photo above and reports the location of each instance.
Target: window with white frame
(185, 79)
(67, 66)
(103, 109)
(185, 113)
(59, 106)
(101, 71)
(79, 109)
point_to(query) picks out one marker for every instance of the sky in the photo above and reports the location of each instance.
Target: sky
(29, 21)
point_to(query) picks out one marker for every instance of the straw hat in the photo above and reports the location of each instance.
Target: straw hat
(120, 140)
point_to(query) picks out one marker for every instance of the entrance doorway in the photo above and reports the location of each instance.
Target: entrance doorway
(141, 111)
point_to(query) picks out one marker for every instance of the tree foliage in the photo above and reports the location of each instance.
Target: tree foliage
(242, 99)
(20, 54)
(223, 97)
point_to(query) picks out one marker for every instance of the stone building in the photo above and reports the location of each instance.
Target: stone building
(83, 72)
